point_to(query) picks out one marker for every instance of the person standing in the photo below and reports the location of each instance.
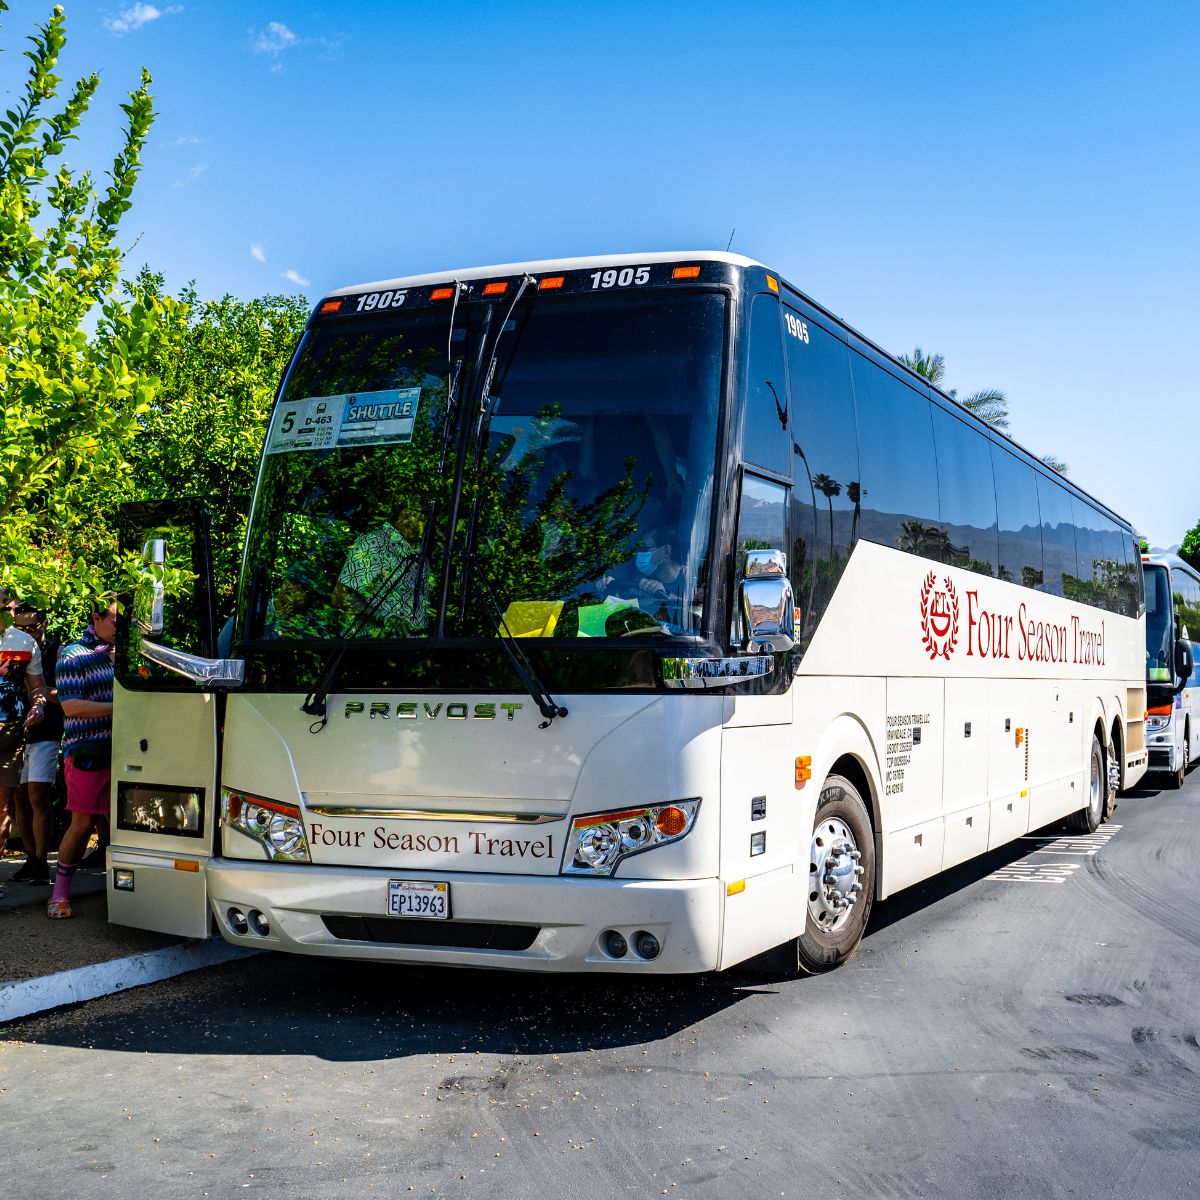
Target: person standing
(85, 691)
(22, 704)
(40, 766)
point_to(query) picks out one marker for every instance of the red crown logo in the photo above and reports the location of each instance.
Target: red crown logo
(939, 616)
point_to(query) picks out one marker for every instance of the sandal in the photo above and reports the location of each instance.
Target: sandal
(59, 910)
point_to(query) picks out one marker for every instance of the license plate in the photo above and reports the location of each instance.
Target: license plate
(418, 898)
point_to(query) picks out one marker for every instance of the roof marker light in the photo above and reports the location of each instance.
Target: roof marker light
(551, 282)
(331, 306)
(442, 293)
(495, 289)
(686, 273)
(773, 283)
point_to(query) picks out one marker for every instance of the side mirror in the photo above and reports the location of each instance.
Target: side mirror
(767, 605)
(148, 604)
(1185, 664)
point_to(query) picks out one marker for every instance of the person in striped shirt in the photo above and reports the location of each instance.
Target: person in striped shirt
(85, 691)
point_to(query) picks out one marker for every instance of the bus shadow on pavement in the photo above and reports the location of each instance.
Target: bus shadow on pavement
(290, 1005)
(956, 880)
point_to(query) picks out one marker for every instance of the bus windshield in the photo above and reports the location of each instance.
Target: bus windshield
(586, 479)
(1159, 646)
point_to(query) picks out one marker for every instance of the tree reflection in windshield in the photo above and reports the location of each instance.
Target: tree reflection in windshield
(591, 492)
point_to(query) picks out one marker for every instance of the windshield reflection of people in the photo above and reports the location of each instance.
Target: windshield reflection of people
(379, 578)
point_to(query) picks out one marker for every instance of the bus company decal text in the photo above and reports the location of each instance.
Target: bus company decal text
(995, 634)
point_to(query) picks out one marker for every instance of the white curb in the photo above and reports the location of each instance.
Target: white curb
(28, 996)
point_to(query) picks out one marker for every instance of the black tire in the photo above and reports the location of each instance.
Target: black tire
(1088, 818)
(1113, 776)
(818, 950)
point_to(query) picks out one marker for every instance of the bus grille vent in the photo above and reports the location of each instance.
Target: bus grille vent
(457, 935)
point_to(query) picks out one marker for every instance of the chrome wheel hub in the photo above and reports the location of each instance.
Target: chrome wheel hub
(834, 874)
(1096, 786)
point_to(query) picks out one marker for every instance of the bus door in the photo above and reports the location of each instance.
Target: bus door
(165, 726)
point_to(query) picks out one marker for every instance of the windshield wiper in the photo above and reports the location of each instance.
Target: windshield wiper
(547, 705)
(315, 702)
(483, 423)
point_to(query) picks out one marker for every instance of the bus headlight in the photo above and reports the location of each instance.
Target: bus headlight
(1158, 722)
(599, 841)
(276, 827)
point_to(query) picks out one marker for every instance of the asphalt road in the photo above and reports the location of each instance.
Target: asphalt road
(1023, 1026)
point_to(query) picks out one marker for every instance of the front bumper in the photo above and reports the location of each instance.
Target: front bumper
(566, 917)
(1162, 758)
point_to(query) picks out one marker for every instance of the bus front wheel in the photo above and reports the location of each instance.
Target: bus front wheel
(841, 878)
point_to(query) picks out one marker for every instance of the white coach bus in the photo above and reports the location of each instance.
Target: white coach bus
(623, 614)
(1172, 673)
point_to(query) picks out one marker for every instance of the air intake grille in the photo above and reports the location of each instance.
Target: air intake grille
(458, 935)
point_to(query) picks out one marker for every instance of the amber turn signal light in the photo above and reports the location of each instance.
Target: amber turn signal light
(803, 770)
(671, 821)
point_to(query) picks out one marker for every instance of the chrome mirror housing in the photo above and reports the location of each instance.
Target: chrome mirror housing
(767, 606)
(765, 564)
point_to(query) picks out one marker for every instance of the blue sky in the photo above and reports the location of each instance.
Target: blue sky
(1016, 186)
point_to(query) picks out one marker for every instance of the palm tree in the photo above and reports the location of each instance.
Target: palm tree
(828, 487)
(990, 405)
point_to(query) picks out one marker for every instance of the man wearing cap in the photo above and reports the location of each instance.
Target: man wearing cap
(22, 705)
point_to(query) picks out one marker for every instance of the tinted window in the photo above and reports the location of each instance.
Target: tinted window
(1187, 605)
(1093, 576)
(765, 440)
(899, 473)
(825, 466)
(1020, 519)
(967, 493)
(1159, 628)
(1133, 579)
(1116, 568)
(1061, 569)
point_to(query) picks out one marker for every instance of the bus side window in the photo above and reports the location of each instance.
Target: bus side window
(1092, 584)
(1114, 570)
(967, 492)
(1135, 592)
(899, 471)
(1020, 519)
(1058, 538)
(826, 496)
(766, 439)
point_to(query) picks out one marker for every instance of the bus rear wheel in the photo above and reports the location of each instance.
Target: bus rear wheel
(1088, 818)
(841, 878)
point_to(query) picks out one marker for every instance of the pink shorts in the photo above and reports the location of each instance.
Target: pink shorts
(87, 791)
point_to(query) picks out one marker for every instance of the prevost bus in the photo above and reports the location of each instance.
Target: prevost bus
(619, 614)
(1172, 675)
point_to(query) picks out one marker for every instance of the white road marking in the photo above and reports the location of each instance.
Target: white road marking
(1073, 846)
(1085, 843)
(1036, 872)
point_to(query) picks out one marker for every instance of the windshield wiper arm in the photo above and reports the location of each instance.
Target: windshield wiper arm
(315, 702)
(547, 705)
(483, 423)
